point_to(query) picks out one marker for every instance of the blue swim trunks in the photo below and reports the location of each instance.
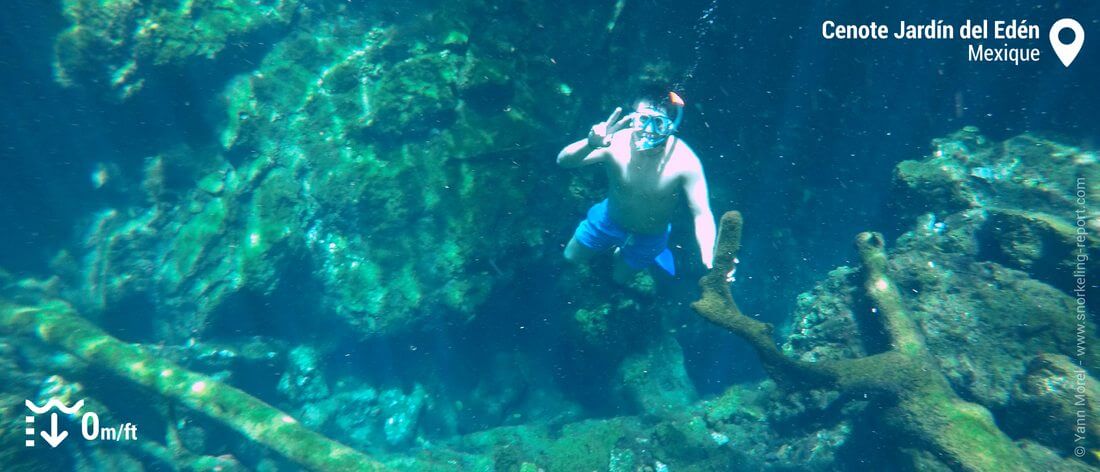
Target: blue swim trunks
(599, 233)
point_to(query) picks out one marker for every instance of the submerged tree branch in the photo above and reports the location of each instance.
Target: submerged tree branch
(918, 400)
(56, 323)
(717, 306)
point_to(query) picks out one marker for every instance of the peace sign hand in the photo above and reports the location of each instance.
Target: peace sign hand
(600, 135)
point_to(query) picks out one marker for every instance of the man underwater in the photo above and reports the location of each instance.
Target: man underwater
(648, 168)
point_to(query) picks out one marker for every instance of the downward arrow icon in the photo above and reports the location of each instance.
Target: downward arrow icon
(52, 437)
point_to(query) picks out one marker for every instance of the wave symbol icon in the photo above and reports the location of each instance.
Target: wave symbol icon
(55, 403)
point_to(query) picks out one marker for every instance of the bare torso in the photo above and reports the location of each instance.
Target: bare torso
(646, 186)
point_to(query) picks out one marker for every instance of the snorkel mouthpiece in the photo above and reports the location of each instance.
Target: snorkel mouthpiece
(654, 126)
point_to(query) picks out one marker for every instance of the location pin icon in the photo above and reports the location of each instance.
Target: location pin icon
(1067, 52)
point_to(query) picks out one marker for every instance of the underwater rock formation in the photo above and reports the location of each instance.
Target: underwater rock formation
(111, 45)
(364, 417)
(655, 380)
(983, 274)
(365, 165)
(303, 381)
(1051, 402)
(1026, 187)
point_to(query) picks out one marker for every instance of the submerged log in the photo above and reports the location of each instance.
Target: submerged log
(56, 323)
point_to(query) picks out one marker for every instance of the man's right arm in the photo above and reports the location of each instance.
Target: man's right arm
(581, 153)
(593, 149)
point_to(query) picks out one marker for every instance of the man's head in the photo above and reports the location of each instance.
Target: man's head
(655, 120)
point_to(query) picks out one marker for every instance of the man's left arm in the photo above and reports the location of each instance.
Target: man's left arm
(695, 187)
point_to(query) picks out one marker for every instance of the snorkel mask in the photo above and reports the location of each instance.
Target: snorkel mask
(652, 126)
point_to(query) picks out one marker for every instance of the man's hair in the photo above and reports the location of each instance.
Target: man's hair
(655, 96)
(657, 102)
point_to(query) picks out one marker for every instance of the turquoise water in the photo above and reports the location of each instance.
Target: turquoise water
(329, 235)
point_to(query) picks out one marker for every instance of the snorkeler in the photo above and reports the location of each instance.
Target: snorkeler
(648, 168)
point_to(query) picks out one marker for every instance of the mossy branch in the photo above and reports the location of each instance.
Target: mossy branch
(717, 305)
(56, 323)
(918, 401)
(904, 336)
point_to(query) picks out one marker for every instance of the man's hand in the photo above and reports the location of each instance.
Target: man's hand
(591, 150)
(600, 135)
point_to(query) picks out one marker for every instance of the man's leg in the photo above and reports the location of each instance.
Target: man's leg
(578, 253)
(591, 236)
(623, 273)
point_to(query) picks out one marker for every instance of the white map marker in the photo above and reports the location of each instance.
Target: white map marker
(1067, 52)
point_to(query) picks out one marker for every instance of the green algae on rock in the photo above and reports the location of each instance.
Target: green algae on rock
(335, 142)
(113, 44)
(1028, 187)
(1054, 390)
